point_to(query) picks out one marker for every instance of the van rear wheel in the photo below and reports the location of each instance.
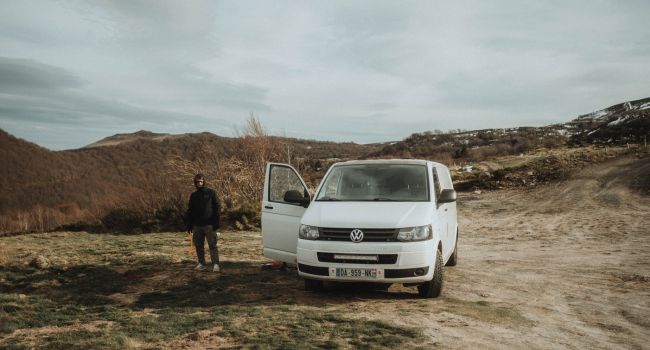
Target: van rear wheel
(433, 288)
(313, 285)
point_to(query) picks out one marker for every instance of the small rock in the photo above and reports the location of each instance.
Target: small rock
(40, 262)
(484, 295)
(22, 297)
(477, 192)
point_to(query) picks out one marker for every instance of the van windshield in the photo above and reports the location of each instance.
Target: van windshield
(376, 182)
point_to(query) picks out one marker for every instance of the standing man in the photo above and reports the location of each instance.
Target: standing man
(202, 221)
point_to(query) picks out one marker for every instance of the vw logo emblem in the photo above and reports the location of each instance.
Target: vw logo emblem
(356, 235)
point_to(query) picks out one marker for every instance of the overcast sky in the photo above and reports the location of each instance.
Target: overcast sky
(73, 72)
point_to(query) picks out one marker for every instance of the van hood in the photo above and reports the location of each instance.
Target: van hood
(368, 214)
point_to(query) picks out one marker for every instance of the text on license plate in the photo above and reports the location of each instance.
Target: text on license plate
(355, 272)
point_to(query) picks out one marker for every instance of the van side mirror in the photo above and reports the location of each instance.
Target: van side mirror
(447, 196)
(293, 196)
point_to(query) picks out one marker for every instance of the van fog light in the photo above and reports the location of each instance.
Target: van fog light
(419, 272)
(413, 234)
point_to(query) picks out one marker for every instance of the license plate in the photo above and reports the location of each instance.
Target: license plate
(359, 273)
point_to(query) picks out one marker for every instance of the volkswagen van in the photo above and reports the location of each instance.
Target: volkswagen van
(383, 221)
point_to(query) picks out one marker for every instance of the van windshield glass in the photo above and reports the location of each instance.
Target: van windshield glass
(376, 182)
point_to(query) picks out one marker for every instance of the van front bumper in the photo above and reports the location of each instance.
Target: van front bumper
(415, 261)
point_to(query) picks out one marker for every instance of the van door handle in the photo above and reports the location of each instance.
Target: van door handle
(268, 206)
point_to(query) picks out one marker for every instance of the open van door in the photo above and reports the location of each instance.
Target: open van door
(284, 202)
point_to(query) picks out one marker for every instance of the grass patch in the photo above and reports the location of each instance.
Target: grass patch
(484, 311)
(142, 292)
(256, 327)
(304, 327)
(20, 312)
(77, 339)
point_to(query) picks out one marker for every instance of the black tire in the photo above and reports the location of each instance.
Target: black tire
(433, 288)
(453, 259)
(313, 285)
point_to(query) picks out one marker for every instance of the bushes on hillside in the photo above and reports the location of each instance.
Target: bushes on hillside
(123, 220)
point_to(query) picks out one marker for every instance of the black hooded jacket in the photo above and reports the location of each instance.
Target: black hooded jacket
(203, 209)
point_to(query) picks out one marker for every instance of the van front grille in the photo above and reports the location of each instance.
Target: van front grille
(369, 234)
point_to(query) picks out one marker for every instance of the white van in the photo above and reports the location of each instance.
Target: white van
(384, 221)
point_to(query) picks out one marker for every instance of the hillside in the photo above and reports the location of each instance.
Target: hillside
(627, 122)
(142, 179)
(615, 125)
(143, 171)
(119, 139)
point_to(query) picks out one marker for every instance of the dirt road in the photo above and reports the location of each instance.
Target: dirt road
(572, 259)
(558, 266)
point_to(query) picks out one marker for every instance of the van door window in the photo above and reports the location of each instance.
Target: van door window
(283, 179)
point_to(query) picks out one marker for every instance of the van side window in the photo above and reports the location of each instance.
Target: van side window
(436, 182)
(283, 179)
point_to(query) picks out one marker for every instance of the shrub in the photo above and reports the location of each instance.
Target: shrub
(80, 226)
(245, 216)
(170, 217)
(123, 220)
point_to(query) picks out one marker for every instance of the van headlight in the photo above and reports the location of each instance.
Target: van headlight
(308, 232)
(412, 234)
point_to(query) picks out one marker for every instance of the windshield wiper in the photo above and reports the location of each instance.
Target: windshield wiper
(383, 199)
(329, 199)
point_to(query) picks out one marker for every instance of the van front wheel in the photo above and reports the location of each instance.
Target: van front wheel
(433, 288)
(313, 285)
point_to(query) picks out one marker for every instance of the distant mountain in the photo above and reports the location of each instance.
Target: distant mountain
(626, 122)
(118, 139)
(618, 124)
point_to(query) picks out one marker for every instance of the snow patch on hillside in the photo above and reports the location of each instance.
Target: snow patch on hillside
(617, 121)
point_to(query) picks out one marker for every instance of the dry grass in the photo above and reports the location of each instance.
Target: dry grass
(115, 291)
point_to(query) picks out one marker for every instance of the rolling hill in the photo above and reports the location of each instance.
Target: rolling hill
(148, 172)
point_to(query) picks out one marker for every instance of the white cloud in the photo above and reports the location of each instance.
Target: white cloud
(348, 71)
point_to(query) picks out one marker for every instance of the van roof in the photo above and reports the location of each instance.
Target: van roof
(390, 161)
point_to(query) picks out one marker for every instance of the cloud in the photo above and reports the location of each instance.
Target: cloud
(37, 93)
(364, 71)
(27, 74)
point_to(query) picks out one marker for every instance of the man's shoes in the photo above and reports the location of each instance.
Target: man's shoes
(216, 268)
(200, 267)
(218, 235)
